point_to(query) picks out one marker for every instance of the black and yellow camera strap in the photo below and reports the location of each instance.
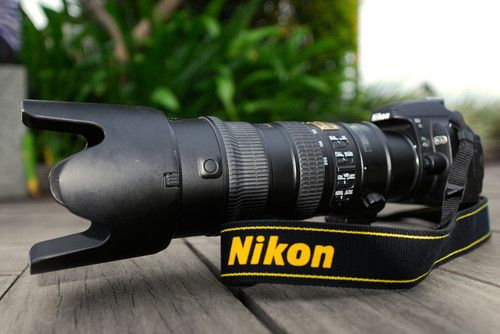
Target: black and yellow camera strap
(279, 251)
(358, 255)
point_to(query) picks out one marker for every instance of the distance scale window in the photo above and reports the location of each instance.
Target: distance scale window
(346, 167)
(343, 149)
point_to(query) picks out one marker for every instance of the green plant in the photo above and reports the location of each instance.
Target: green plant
(484, 117)
(201, 59)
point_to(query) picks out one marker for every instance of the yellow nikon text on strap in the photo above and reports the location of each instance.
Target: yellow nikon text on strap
(269, 251)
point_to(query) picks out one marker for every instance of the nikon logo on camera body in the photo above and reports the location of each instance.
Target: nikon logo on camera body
(262, 251)
(380, 116)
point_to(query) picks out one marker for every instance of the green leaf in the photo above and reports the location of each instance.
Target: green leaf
(256, 77)
(164, 97)
(316, 83)
(214, 7)
(325, 45)
(224, 84)
(225, 89)
(272, 104)
(211, 25)
(250, 38)
(298, 39)
(242, 17)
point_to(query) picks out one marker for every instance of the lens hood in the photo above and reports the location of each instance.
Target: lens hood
(126, 182)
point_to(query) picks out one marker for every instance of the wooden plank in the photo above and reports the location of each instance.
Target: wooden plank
(22, 228)
(494, 211)
(491, 189)
(5, 283)
(482, 264)
(25, 223)
(172, 291)
(444, 303)
(46, 204)
(13, 259)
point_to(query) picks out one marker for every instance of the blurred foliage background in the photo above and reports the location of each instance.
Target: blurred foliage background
(255, 60)
(239, 60)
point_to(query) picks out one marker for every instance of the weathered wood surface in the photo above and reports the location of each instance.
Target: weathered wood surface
(177, 290)
(491, 188)
(5, 283)
(159, 293)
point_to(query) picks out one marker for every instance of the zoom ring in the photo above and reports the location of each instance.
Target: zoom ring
(311, 167)
(248, 169)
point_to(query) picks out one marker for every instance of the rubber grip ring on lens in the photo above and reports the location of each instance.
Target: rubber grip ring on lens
(248, 169)
(311, 168)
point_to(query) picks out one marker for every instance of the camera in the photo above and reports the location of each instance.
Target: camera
(144, 179)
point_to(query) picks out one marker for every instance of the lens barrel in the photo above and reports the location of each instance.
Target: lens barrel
(285, 169)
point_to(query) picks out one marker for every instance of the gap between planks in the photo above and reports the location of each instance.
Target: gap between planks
(239, 294)
(11, 284)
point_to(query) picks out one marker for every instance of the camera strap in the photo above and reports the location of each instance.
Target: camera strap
(358, 255)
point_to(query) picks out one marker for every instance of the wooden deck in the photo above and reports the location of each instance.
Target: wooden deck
(177, 290)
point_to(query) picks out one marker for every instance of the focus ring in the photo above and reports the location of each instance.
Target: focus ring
(248, 169)
(311, 167)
